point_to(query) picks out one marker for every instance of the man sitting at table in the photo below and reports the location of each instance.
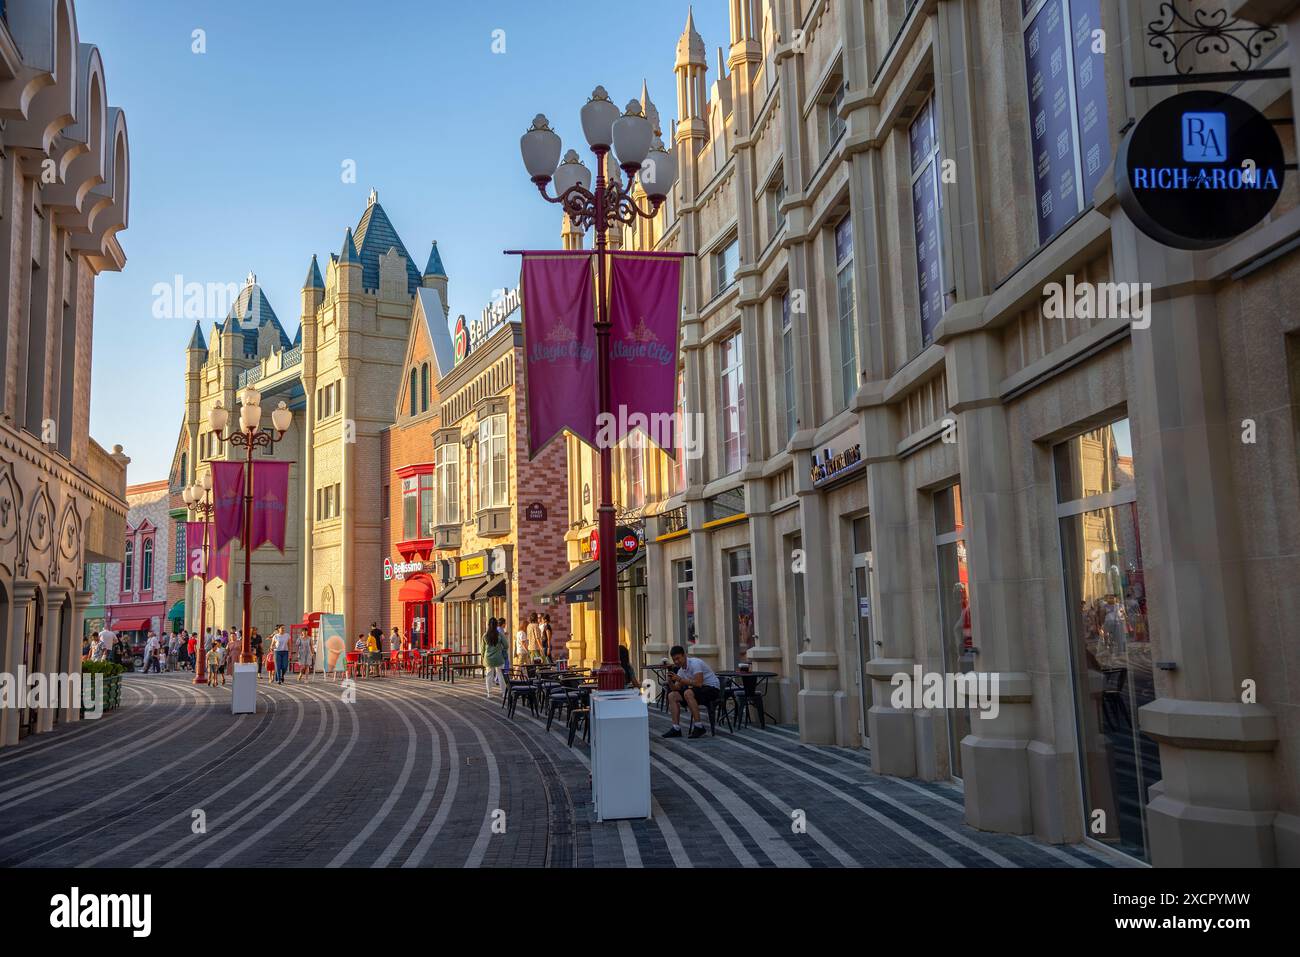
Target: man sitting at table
(695, 683)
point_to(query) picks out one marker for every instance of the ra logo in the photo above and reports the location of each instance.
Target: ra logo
(1205, 138)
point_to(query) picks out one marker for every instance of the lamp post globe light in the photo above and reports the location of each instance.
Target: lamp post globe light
(642, 158)
(249, 437)
(197, 500)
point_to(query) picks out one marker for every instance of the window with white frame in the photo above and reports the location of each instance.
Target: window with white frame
(774, 197)
(493, 481)
(447, 460)
(634, 462)
(725, 263)
(923, 141)
(834, 122)
(846, 300)
(732, 376)
(146, 566)
(128, 567)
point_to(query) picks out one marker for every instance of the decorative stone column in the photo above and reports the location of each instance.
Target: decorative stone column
(658, 580)
(819, 661)
(768, 562)
(707, 596)
(20, 598)
(52, 651)
(994, 756)
(81, 600)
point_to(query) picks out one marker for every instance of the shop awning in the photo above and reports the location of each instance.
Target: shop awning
(582, 588)
(576, 574)
(494, 587)
(463, 590)
(178, 611)
(417, 590)
(131, 624)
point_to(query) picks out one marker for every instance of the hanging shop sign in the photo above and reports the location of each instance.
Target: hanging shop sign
(461, 338)
(535, 512)
(833, 465)
(399, 570)
(1199, 169)
(472, 567)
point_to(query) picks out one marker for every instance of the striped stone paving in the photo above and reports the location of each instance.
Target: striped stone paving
(424, 774)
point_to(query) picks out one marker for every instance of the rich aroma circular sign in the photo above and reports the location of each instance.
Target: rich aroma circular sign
(1199, 169)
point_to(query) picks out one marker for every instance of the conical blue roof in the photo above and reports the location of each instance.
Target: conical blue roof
(434, 268)
(196, 340)
(314, 280)
(375, 236)
(251, 312)
(348, 254)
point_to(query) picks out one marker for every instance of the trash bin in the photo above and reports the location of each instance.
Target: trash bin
(620, 755)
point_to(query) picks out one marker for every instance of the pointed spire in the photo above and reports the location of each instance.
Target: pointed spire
(651, 111)
(690, 48)
(314, 280)
(434, 268)
(196, 340)
(348, 254)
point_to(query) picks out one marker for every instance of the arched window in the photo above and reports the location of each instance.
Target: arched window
(128, 567)
(414, 397)
(424, 387)
(146, 570)
(327, 600)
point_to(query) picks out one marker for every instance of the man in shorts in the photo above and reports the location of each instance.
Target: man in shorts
(696, 684)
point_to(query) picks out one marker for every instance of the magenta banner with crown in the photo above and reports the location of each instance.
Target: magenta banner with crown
(270, 503)
(558, 294)
(228, 502)
(645, 309)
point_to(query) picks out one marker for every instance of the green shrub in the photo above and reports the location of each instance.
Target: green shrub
(106, 668)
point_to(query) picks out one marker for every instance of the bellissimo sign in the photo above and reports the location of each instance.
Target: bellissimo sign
(1199, 169)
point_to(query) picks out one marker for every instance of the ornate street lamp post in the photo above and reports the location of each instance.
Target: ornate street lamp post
(641, 156)
(198, 498)
(249, 437)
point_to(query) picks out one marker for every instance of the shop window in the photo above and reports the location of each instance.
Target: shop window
(741, 602)
(1112, 660)
(684, 574)
(927, 202)
(957, 637)
(734, 449)
(1069, 136)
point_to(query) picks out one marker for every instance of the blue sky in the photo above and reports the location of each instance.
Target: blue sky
(237, 153)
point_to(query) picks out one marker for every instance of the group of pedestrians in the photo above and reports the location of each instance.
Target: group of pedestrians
(532, 643)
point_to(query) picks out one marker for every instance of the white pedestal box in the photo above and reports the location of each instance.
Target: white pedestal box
(243, 687)
(620, 755)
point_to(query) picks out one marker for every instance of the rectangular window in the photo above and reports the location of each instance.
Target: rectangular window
(1112, 660)
(180, 552)
(447, 460)
(410, 509)
(954, 607)
(427, 516)
(775, 197)
(685, 578)
(680, 465)
(846, 300)
(923, 136)
(787, 366)
(493, 480)
(834, 122)
(634, 462)
(1069, 133)
(741, 595)
(725, 263)
(734, 448)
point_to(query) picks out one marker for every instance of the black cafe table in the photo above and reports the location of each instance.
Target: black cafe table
(749, 682)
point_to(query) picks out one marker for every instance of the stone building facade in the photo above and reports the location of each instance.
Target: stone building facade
(912, 462)
(136, 588)
(340, 375)
(64, 196)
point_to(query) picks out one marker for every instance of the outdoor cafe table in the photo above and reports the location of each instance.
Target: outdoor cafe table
(749, 681)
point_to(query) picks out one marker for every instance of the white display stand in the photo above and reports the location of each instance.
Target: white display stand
(620, 755)
(243, 687)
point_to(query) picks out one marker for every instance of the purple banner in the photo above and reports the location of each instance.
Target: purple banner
(559, 347)
(194, 546)
(270, 503)
(228, 499)
(221, 564)
(645, 309)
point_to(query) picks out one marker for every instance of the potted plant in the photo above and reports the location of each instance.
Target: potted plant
(112, 675)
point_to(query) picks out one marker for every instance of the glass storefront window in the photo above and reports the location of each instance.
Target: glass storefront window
(685, 602)
(1111, 653)
(741, 593)
(954, 607)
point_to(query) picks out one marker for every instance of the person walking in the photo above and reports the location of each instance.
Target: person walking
(216, 662)
(547, 633)
(521, 645)
(534, 636)
(193, 645)
(303, 650)
(494, 658)
(259, 654)
(280, 644)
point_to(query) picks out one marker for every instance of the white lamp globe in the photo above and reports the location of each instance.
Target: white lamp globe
(658, 171)
(632, 135)
(250, 396)
(207, 481)
(187, 496)
(282, 418)
(250, 417)
(218, 418)
(540, 148)
(598, 118)
(571, 173)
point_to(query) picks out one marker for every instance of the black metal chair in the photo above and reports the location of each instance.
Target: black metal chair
(747, 692)
(580, 716)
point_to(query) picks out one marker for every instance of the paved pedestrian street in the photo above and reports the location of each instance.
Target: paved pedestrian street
(426, 774)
